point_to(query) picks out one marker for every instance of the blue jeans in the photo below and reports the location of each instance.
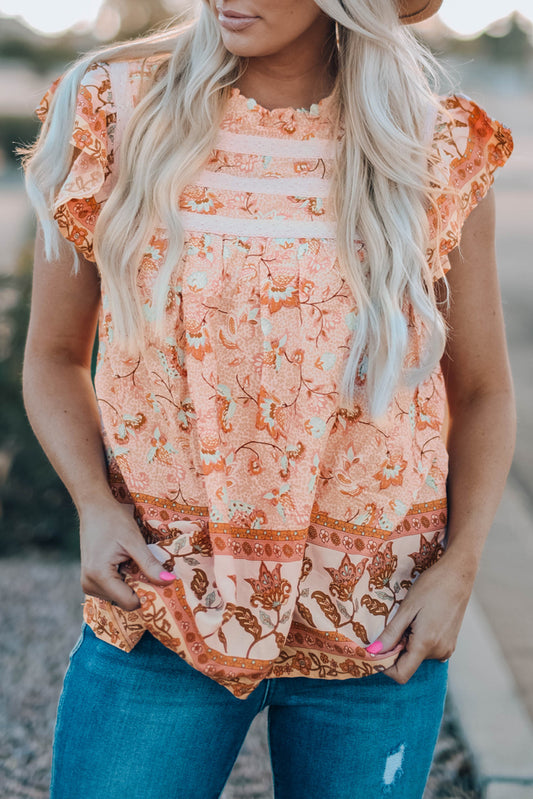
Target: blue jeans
(146, 725)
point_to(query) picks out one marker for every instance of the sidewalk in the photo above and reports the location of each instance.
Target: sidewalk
(491, 714)
(491, 671)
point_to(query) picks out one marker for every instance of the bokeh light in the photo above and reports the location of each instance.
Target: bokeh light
(469, 19)
(53, 16)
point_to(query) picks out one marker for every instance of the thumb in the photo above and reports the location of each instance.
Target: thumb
(150, 565)
(391, 635)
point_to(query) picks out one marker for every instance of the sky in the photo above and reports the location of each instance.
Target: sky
(467, 17)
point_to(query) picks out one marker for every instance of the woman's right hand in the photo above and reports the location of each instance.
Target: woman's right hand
(109, 535)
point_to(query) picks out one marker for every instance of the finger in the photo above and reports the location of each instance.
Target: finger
(393, 632)
(112, 589)
(148, 563)
(407, 664)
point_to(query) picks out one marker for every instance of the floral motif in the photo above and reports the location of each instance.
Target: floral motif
(200, 200)
(201, 542)
(391, 471)
(429, 553)
(271, 415)
(345, 578)
(280, 292)
(382, 567)
(196, 339)
(270, 589)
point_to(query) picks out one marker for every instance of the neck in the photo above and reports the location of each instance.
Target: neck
(297, 76)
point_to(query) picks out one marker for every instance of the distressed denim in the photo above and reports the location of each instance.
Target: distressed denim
(147, 725)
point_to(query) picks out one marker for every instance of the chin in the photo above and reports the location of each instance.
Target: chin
(246, 47)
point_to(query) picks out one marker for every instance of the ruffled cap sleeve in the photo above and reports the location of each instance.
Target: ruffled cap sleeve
(89, 180)
(470, 147)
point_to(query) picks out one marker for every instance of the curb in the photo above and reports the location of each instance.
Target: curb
(496, 728)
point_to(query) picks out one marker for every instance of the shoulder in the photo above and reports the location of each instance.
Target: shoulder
(468, 140)
(93, 91)
(101, 83)
(468, 146)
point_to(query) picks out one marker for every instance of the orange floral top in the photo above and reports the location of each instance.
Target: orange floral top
(294, 526)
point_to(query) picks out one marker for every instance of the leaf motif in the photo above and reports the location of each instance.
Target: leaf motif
(327, 607)
(248, 622)
(285, 617)
(265, 618)
(210, 599)
(222, 638)
(228, 344)
(307, 567)
(341, 477)
(342, 609)
(305, 613)
(406, 584)
(383, 595)
(192, 562)
(430, 481)
(199, 583)
(228, 613)
(374, 606)
(360, 632)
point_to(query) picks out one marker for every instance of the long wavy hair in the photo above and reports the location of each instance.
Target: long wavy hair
(382, 185)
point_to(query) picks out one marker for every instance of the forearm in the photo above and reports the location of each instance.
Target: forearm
(480, 445)
(62, 408)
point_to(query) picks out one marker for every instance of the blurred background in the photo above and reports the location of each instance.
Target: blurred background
(488, 50)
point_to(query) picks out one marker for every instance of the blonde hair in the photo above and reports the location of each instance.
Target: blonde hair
(381, 186)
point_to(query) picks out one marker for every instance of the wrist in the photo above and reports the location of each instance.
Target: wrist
(464, 561)
(96, 501)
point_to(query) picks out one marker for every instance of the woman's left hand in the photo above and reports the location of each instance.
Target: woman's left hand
(433, 610)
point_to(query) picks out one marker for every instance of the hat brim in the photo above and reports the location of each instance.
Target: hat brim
(417, 10)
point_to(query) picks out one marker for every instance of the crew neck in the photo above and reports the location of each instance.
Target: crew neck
(251, 104)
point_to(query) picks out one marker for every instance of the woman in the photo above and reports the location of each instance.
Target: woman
(265, 209)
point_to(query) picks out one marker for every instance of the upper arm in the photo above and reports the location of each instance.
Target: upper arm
(64, 307)
(476, 359)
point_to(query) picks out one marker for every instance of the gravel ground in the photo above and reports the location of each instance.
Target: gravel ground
(31, 688)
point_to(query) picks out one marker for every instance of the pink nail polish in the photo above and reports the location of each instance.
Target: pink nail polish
(166, 576)
(375, 648)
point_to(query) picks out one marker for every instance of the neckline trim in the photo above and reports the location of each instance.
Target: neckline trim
(251, 104)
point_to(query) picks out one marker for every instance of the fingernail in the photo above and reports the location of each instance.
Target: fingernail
(374, 648)
(166, 576)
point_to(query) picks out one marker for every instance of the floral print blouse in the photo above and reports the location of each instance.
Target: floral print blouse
(294, 527)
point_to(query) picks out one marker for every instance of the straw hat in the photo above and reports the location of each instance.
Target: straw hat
(417, 10)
